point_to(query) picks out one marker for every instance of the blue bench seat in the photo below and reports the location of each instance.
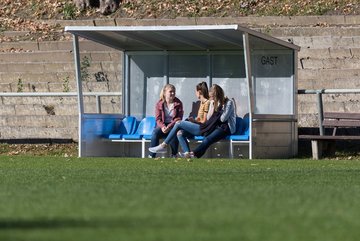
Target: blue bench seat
(141, 132)
(238, 137)
(115, 136)
(126, 126)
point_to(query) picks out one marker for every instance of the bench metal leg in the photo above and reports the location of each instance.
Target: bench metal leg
(143, 149)
(331, 148)
(317, 149)
(231, 149)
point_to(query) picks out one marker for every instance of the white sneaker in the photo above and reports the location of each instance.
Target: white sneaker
(186, 154)
(158, 149)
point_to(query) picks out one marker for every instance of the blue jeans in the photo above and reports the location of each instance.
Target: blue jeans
(189, 128)
(215, 136)
(155, 137)
(182, 138)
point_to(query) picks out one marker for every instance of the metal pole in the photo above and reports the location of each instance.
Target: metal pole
(329, 91)
(56, 94)
(321, 112)
(295, 106)
(126, 83)
(98, 104)
(166, 68)
(249, 80)
(123, 107)
(210, 68)
(79, 88)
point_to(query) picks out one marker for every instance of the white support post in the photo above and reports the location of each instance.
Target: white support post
(98, 104)
(250, 91)
(79, 89)
(143, 148)
(126, 83)
(231, 149)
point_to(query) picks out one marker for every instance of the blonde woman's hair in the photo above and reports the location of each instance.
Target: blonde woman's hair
(218, 96)
(162, 92)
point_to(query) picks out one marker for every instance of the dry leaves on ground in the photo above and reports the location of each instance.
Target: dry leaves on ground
(29, 16)
(66, 150)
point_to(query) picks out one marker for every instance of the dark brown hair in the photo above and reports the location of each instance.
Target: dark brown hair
(203, 88)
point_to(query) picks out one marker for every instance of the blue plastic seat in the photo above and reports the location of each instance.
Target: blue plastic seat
(199, 138)
(127, 127)
(241, 135)
(242, 130)
(144, 130)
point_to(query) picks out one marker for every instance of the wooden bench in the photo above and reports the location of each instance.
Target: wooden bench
(334, 120)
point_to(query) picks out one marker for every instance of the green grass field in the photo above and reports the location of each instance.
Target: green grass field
(57, 198)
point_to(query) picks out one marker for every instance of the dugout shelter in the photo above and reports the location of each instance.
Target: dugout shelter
(257, 71)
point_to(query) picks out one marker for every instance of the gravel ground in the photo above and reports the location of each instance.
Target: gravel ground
(66, 150)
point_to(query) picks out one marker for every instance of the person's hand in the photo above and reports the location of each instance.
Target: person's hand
(191, 119)
(167, 130)
(164, 129)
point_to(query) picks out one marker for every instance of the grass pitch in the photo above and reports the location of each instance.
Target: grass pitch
(57, 198)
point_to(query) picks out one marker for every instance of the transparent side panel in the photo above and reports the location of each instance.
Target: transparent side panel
(185, 72)
(273, 77)
(148, 75)
(146, 81)
(229, 73)
(101, 71)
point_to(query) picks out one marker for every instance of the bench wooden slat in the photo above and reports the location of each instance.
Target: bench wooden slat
(341, 115)
(341, 123)
(317, 137)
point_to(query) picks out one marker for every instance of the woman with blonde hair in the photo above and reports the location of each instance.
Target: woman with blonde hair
(168, 110)
(190, 127)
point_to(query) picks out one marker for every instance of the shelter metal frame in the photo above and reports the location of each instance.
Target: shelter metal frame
(175, 38)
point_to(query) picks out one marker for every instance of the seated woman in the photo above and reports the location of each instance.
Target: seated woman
(225, 126)
(190, 126)
(202, 94)
(168, 111)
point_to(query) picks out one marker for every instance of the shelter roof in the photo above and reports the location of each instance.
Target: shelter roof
(174, 38)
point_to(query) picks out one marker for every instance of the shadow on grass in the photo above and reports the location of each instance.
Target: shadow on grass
(64, 223)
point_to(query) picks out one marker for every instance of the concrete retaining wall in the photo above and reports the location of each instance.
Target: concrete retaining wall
(329, 58)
